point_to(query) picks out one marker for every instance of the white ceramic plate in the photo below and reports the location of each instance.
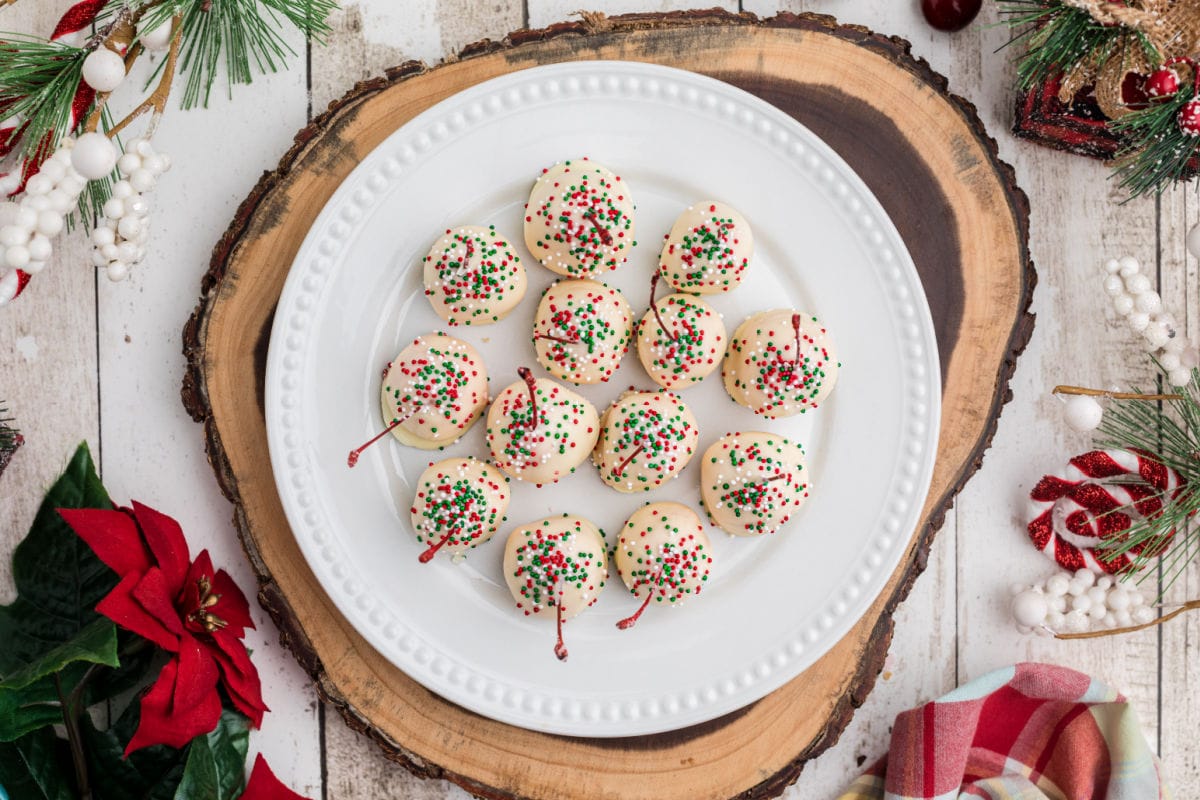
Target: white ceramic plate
(773, 605)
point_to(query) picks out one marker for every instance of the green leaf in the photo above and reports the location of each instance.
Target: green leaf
(58, 578)
(95, 644)
(25, 710)
(151, 773)
(216, 763)
(36, 767)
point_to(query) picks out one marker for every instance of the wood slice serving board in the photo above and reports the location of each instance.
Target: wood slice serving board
(924, 154)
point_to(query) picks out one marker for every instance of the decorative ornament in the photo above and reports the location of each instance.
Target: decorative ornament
(1163, 82)
(93, 156)
(109, 598)
(1142, 308)
(950, 15)
(1117, 96)
(59, 89)
(1075, 602)
(103, 69)
(1189, 118)
(1082, 413)
(1091, 507)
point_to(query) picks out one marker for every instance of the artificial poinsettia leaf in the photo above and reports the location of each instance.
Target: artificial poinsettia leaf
(25, 710)
(36, 767)
(95, 644)
(58, 578)
(216, 764)
(151, 773)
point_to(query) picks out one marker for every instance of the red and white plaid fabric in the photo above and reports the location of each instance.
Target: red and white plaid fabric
(1027, 732)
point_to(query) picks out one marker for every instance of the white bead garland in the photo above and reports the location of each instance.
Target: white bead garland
(1142, 307)
(28, 223)
(119, 240)
(1075, 602)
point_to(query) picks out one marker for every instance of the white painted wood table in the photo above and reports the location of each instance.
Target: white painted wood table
(81, 358)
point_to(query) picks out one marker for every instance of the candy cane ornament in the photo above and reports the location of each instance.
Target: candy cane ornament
(1090, 509)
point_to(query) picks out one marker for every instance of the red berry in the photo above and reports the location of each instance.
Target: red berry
(1189, 118)
(1162, 83)
(950, 15)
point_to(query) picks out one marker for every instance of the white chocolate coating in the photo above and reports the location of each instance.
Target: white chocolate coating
(544, 451)
(473, 276)
(458, 505)
(560, 560)
(708, 249)
(646, 438)
(663, 551)
(440, 384)
(579, 219)
(689, 349)
(751, 483)
(592, 325)
(764, 371)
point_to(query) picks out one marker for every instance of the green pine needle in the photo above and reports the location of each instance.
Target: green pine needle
(1057, 37)
(1170, 432)
(8, 434)
(38, 80)
(243, 37)
(1155, 152)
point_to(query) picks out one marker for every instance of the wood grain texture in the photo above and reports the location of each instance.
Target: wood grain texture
(981, 312)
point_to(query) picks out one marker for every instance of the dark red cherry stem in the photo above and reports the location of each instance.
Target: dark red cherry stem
(654, 307)
(796, 328)
(630, 621)
(352, 459)
(601, 231)
(625, 463)
(559, 339)
(560, 649)
(428, 555)
(527, 375)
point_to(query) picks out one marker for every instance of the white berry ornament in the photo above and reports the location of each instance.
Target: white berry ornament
(103, 69)
(154, 39)
(119, 239)
(1091, 604)
(93, 156)
(1082, 413)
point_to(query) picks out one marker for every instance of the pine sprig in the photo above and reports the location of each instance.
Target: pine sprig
(1155, 152)
(8, 433)
(1169, 431)
(1057, 37)
(38, 79)
(242, 37)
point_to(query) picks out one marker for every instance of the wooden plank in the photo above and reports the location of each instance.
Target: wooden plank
(48, 370)
(154, 452)
(1180, 642)
(1078, 226)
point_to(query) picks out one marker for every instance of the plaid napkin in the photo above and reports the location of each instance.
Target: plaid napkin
(1027, 732)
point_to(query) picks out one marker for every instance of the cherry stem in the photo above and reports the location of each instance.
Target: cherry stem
(560, 649)
(527, 375)
(796, 328)
(620, 468)
(428, 555)
(630, 621)
(654, 307)
(559, 339)
(602, 232)
(1081, 390)
(352, 459)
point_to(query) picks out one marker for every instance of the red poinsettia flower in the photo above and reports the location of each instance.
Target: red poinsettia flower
(263, 784)
(184, 607)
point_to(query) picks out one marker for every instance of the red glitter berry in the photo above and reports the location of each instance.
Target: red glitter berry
(1162, 83)
(1189, 118)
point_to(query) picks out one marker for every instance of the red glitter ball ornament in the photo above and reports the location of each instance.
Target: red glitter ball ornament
(950, 15)
(1189, 117)
(1162, 83)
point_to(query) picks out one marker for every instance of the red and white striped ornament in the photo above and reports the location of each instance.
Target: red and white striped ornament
(1085, 505)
